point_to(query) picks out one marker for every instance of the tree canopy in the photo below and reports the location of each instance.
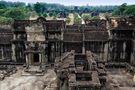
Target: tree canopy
(77, 19)
(125, 10)
(21, 10)
(16, 13)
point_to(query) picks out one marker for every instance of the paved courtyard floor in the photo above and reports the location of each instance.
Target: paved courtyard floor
(19, 82)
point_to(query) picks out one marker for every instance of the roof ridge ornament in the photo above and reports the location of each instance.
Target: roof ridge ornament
(41, 19)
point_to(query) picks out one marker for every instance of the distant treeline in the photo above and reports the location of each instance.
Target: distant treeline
(41, 7)
(125, 10)
(20, 10)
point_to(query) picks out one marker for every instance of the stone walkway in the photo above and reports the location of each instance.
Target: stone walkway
(19, 82)
(120, 79)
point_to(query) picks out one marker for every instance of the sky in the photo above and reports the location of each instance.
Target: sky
(80, 2)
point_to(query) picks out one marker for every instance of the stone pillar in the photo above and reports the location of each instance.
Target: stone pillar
(13, 53)
(14, 37)
(43, 57)
(13, 49)
(40, 58)
(52, 53)
(83, 48)
(2, 51)
(31, 58)
(105, 51)
(27, 62)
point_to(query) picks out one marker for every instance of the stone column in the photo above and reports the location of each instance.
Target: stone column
(13, 52)
(52, 53)
(40, 58)
(105, 51)
(2, 51)
(43, 58)
(83, 47)
(13, 49)
(27, 62)
(31, 59)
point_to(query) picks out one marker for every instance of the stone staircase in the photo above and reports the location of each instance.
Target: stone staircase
(33, 70)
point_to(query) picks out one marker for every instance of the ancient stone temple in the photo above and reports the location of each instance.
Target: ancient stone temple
(98, 55)
(6, 36)
(79, 71)
(92, 36)
(36, 41)
(121, 41)
(41, 41)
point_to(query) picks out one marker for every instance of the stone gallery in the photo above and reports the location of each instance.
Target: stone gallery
(97, 55)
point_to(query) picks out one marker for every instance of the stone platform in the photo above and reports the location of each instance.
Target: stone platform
(33, 70)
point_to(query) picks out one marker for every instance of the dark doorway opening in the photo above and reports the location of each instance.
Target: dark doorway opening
(36, 58)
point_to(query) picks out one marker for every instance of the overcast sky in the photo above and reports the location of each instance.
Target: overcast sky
(81, 2)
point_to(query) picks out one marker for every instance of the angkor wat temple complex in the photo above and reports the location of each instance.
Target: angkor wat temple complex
(98, 55)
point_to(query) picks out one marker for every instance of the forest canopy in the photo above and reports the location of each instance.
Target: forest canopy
(125, 10)
(20, 10)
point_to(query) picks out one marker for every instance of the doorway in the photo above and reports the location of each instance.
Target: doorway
(36, 58)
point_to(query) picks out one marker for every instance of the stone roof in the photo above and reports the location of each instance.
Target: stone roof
(73, 37)
(5, 39)
(19, 25)
(5, 31)
(54, 25)
(96, 23)
(5, 36)
(126, 23)
(96, 36)
(93, 28)
(72, 31)
(73, 27)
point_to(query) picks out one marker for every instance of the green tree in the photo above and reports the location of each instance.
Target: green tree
(95, 18)
(2, 4)
(130, 10)
(125, 10)
(4, 20)
(19, 4)
(52, 14)
(45, 15)
(16, 13)
(86, 17)
(2, 11)
(68, 20)
(120, 10)
(39, 8)
(29, 7)
(77, 19)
